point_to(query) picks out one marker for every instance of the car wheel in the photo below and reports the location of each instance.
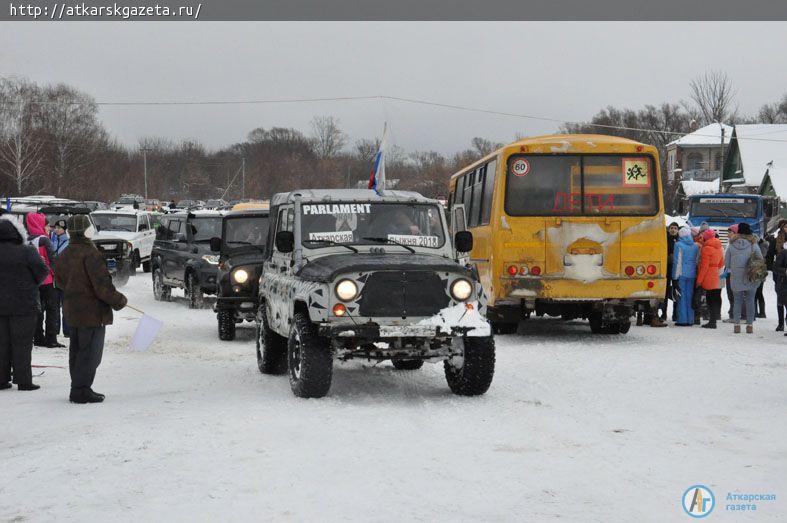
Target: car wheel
(161, 292)
(196, 297)
(596, 323)
(471, 373)
(226, 320)
(146, 266)
(309, 360)
(623, 327)
(271, 348)
(407, 364)
(132, 268)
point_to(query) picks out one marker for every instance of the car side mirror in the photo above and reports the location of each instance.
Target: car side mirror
(463, 241)
(285, 241)
(215, 244)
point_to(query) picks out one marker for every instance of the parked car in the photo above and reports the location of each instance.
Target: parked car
(129, 201)
(182, 257)
(352, 274)
(131, 225)
(241, 250)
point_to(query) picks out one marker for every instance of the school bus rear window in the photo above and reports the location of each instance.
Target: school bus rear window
(577, 185)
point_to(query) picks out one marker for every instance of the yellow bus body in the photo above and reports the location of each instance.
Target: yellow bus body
(582, 260)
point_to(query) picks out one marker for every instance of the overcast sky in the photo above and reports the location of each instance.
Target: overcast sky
(552, 69)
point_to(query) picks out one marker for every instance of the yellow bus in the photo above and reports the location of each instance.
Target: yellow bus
(565, 225)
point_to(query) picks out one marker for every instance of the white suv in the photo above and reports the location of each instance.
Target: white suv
(131, 225)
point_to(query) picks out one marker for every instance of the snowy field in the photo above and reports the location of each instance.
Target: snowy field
(575, 428)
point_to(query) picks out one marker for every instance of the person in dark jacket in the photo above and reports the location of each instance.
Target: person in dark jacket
(759, 297)
(48, 319)
(21, 272)
(672, 237)
(779, 268)
(89, 297)
(774, 250)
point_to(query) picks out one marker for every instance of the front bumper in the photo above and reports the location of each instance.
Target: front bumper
(245, 304)
(207, 279)
(373, 332)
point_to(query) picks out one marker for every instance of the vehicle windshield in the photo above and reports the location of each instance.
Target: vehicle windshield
(115, 222)
(724, 207)
(205, 228)
(580, 185)
(248, 230)
(417, 225)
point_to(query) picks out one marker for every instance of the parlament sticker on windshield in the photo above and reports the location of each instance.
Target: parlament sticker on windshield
(415, 241)
(334, 236)
(520, 167)
(337, 208)
(722, 200)
(636, 172)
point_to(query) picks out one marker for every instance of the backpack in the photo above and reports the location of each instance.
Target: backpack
(756, 268)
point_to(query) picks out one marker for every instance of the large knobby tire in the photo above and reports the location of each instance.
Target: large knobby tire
(596, 323)
(226, 321)
(309, 360)
(271, 348)
(132, 268)
(407, 364)
(474, 376)
(194, 291)
(623, 327)
(146, 266)
(161, 292)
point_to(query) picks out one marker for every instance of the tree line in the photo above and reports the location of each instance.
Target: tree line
(53, 142)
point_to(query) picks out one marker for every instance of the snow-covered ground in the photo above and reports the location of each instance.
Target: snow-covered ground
(576, 427)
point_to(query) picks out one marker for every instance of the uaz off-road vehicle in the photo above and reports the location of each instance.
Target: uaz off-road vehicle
(241, 250)
(353, 274)
(182, 256)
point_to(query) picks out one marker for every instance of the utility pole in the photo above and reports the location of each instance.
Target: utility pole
(145, 163)
(243, 178)
(721, 171)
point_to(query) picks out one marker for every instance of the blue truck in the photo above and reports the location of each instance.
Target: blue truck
(722, 210)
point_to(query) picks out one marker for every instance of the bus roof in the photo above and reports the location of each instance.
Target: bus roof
(569, 143)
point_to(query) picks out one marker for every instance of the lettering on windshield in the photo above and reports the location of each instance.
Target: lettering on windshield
(572, 202)
(415, 241)
(338, 237)
(337, 208)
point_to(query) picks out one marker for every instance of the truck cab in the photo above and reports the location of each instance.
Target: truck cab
(720, 211)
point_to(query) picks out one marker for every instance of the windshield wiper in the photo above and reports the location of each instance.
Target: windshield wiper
(389, 240)
(331, 242)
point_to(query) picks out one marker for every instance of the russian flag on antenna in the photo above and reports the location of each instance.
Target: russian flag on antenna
(377, 176)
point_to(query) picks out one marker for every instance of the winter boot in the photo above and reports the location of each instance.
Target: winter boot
(780, 327)
(710, 325)
(6, 385)
(98, 394)
(54, 345)
(28, 386)
(736, 329)
(657, 322)
(83, 396)
(749, 329)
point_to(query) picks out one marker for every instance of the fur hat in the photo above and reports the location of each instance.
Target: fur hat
(78, 223)
(743, 228)
(684, 232)
(708, 234)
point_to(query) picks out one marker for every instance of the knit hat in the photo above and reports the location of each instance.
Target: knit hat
(684, 232)
(734, 228)
(704, 226)
(695, 231)
(60, 222)
(743, 228)
(708, 234)
(78, 224)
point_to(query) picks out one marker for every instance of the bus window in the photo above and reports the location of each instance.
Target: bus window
(468, 194)
(489, 188)
(474, 211)
(543, 185)
(459, 190)
(619, 185)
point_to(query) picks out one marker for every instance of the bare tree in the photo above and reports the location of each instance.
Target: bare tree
(20, 143)
(714, 97)
(327, 136)
(484, 146)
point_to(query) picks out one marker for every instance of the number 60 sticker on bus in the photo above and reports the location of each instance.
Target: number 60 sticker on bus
(565, 225)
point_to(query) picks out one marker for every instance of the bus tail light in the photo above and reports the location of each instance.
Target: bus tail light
(640, 270)
(629, 270)
(512, 270)
(652, 269)
(650, 284)
(535, 270)
(523, 270)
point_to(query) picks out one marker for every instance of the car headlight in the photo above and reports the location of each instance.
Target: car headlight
(213, 259)
(240, 276)
(461, 289)
(346, 290)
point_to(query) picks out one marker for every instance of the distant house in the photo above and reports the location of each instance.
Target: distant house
(698, 155)
(757, 151)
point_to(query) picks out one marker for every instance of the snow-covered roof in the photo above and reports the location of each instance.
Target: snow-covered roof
(708, 135)
(695, 187)
(759, 145)
(349, 195)
(778, 178)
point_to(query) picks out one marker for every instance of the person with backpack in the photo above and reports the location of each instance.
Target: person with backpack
(774, 250)
(38, 237)
(779, 268)
(711, 263)
(59, 238)
(746, 266)
(684, 272)
(759, 297)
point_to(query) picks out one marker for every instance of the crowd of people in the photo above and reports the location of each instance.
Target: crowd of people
(700, 268)
(53, 279)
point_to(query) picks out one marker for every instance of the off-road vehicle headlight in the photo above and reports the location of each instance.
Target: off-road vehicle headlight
(346, 290)
(240, 276)
(461, 289)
